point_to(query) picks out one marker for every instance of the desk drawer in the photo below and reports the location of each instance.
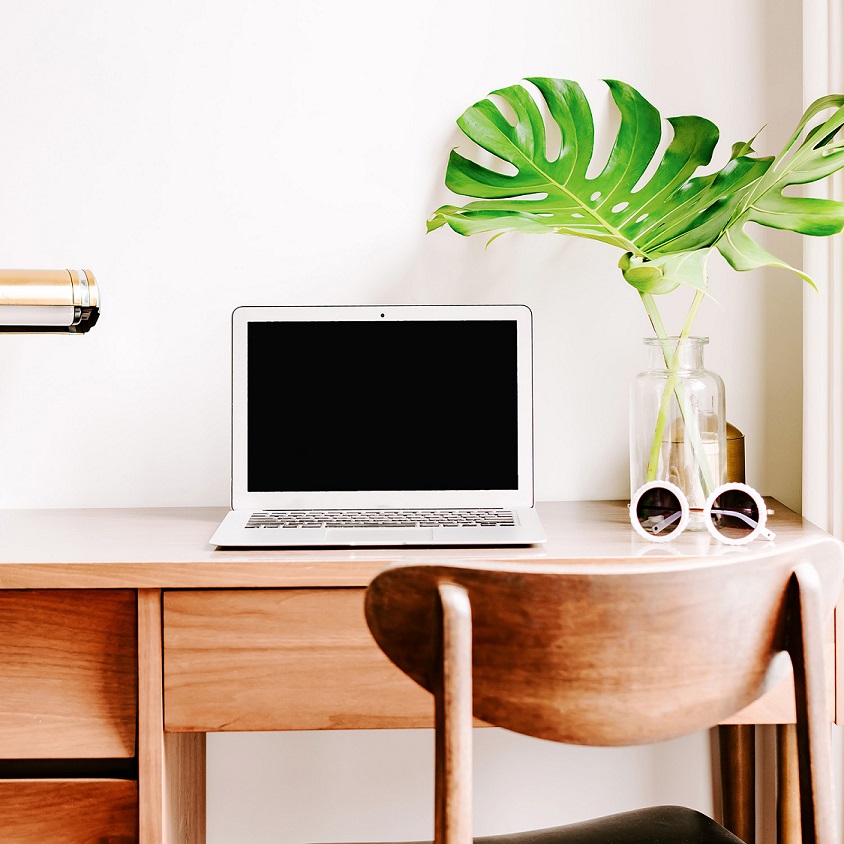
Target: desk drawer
(275, 659)
(68, 674)
(68, 811)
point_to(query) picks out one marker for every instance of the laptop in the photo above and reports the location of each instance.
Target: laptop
(395, 425)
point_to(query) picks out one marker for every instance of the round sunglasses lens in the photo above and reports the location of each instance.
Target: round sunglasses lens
(659, 511)
(735, 514)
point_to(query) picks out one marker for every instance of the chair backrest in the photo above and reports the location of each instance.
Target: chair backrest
(598, 653)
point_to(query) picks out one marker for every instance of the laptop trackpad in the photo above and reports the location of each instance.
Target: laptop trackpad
(378, 536)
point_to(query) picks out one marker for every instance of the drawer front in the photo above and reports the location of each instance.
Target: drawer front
(273, 659)
(68, 811)
(68, 674)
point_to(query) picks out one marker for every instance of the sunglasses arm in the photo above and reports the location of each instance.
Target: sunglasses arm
(764, 532)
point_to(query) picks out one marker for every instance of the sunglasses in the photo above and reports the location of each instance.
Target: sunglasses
(734, 513)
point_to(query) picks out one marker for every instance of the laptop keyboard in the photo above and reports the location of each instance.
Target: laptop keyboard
(380, 518)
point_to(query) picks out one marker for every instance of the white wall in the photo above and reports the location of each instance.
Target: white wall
(202, 154)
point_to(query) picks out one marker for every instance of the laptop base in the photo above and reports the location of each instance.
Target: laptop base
(233, 533)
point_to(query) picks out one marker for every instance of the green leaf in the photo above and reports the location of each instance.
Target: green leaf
(743, 147)
(665, 274)
(669, 212)
(643, 275)
(674, 212)
(817, 156)
(700, 220)
(744, 253)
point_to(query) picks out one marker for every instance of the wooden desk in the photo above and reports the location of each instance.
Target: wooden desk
(128, 637)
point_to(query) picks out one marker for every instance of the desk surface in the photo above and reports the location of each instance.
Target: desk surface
(168, 548)
(216, 671)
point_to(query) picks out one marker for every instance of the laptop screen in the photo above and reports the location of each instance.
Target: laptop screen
(387, 406)
(382, 405)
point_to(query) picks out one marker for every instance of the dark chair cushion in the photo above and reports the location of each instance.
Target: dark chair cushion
(655, 825)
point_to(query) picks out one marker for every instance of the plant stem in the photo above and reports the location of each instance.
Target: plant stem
(654, 317)
(673, 387)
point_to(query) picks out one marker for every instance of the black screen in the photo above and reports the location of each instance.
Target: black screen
(382, 405)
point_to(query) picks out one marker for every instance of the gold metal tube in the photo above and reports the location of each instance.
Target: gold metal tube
(48, 301)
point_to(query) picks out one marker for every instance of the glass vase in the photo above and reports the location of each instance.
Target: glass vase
(677, 422)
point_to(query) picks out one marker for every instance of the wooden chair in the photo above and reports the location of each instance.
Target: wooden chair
(613, 653)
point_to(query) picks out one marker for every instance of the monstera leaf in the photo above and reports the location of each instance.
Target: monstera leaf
(665, 225)
(818, 156)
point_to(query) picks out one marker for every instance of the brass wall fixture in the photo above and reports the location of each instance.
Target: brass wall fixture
(48, 301)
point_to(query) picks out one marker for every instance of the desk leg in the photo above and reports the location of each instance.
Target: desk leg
(184, 766)
(150, 719)
(171, 767)
(737, 749)
(788, 793)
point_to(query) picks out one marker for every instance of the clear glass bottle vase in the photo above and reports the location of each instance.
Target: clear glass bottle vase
(677, 421)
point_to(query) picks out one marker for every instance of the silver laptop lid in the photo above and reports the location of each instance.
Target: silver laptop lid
(382, 406)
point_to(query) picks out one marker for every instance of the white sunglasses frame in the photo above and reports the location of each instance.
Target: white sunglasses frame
(685, 512)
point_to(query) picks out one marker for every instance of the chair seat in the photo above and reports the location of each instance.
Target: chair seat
(653, 825)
